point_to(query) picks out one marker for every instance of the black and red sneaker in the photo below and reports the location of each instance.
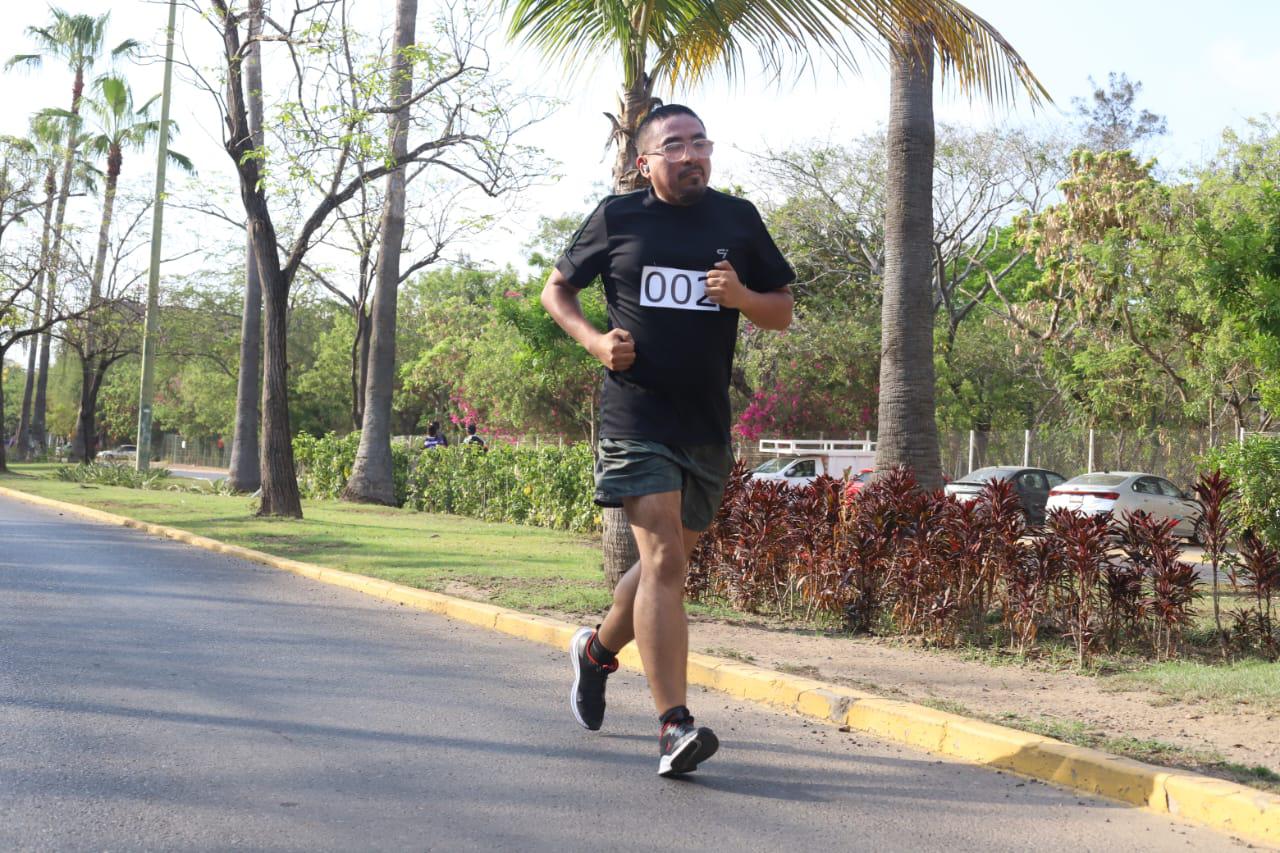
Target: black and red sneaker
(684, 746)
(586, 697)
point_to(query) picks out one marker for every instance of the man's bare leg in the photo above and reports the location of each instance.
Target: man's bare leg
(618, 627)
(654, 595)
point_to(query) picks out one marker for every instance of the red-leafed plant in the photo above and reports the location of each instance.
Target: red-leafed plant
(1084, 542)
(1174, 585)
(1124, 581)
(867, 536)
(766, 538)
(818, 567)
(1216, 495)
(1259, 573)
(1029, 581)
(1001, 527)
(710, 556)
(921, 597)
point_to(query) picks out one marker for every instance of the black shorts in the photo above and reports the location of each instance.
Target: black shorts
(628, 468)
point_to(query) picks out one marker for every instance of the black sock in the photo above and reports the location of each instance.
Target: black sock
(672, 715)
(598, 652)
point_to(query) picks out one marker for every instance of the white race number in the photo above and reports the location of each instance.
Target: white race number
(665, 287)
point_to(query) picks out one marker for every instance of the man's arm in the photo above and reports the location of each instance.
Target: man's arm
(615, 349)
(770, 310)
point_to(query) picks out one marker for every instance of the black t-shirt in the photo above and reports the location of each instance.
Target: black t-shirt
(653, 258)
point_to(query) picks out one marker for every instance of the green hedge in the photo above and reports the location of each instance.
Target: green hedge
(545, 487)
(324, 464)
(1254, 469)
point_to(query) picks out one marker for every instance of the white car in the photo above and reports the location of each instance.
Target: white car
(123, 453)
(1118, 492)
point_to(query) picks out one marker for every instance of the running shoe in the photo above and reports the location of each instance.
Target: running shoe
(586, 697)
(684, 746)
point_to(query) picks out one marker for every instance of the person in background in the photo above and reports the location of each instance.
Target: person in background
(472, 438)
(435, 438)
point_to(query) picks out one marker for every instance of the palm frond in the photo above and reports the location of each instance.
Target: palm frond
(29, 60)
(126, 48)
(182, 161)
(691, 39)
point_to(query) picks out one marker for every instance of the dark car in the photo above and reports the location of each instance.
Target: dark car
(1032, 485)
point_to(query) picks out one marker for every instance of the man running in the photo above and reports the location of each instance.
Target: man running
(679, 262)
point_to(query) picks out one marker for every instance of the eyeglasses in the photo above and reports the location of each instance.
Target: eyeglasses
(674, 152)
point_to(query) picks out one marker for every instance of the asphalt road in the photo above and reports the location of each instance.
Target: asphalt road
(154, 696)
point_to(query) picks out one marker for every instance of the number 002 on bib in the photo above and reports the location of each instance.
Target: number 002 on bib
(665, 287)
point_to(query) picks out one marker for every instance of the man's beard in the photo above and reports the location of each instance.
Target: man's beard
(691, 193)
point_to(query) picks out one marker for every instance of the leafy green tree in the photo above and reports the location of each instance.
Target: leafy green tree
(12, 378)
(1237, 255)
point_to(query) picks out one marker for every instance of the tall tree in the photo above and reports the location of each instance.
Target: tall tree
(908, 432)
(45, 137)
(245, 474)
(371, 476)
(78, 41)
(119, 128)
(1111, 121)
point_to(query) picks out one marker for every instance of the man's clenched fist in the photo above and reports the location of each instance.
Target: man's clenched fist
(723, 286)
(616, 349)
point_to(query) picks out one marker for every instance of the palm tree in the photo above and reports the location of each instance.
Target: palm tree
(680, 42)
(77, 40)
(45, 137)
(371, 476)
(245, 473)
(120, 128)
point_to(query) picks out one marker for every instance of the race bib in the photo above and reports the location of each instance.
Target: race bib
(664, 287)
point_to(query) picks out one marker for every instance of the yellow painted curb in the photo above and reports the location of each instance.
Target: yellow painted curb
(1225, 806)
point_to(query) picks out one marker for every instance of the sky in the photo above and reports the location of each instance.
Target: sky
(1203, 66)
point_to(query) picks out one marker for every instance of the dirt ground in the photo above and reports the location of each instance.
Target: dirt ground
(888, 668)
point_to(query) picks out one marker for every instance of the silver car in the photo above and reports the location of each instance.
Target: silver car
(1118, 492)
(1031, 484)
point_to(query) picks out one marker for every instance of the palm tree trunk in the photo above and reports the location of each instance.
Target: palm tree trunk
(89, 396)
(633, 105)
(245, 474)
(51, 278)
(24, 418)
(618, 546)
(371, 476)
(908, 431)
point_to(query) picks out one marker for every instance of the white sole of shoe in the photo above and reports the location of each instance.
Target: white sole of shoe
(696, 747)
(577, 674)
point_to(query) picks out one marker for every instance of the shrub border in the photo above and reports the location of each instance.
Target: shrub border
(1221, 805)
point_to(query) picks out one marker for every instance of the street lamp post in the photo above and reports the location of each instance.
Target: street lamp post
(146, 392)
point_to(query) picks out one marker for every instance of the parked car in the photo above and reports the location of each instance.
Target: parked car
(123, 453)
(801, 461)
(857, 482)
(1118, 492)
(1033, 486)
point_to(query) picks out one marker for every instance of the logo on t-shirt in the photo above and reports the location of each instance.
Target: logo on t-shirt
(666, 287)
